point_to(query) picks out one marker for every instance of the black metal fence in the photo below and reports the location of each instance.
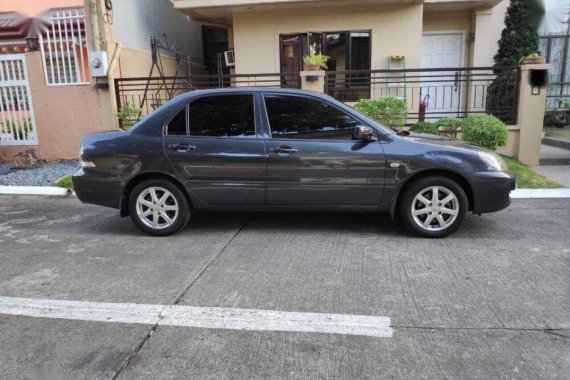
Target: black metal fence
(428, 93)
(150, 93)
(434, 93)
(556, 50)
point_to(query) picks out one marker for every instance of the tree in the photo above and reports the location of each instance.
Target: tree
(519, 38)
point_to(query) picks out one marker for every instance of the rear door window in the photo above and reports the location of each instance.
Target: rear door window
(222, 116)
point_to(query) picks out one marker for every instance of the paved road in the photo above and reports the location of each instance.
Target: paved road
(492, 301)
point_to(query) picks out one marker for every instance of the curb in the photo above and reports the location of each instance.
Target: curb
(60, 191)
(558, 143)
(33, 190)
(540, 193)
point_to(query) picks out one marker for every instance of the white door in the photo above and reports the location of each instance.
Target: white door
(442, 50)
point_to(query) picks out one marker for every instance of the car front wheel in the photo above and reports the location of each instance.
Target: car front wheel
(434, 206)
(158, 207)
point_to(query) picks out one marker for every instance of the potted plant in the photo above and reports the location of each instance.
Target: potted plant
(315, 62)
(532, 59)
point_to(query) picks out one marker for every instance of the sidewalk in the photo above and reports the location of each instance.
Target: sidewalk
(557, 173)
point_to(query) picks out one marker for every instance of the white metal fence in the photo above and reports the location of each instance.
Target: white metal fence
(17, 124)
(64, 49)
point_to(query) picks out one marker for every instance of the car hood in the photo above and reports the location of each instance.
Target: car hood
(443, 141)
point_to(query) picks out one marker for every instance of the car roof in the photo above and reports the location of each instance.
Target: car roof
(230, 90)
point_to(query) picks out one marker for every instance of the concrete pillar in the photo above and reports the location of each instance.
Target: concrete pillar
(532, 104)
(313, 81)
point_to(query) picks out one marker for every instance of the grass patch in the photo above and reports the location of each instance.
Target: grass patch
(557, 133)
(66, 182)
(529, 179)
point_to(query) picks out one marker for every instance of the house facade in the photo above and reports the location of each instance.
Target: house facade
(272, 36)
(49, 94)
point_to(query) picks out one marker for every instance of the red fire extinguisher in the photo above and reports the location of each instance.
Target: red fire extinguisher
(423, 107)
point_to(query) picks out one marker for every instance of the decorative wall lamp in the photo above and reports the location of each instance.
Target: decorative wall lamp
(32, 43)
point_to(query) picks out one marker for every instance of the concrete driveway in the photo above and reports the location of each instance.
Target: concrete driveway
(492, 301)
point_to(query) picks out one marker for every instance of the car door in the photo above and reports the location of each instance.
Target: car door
(312, 157)
(214, 146)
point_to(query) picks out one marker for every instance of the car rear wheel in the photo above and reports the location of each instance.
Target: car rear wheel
(434, 206)
(158, 207)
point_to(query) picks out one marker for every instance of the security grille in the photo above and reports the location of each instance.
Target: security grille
(63, 45)
(17, 124)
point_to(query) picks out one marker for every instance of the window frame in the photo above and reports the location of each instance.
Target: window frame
(268, 124)
(256, 117)
(255, 121)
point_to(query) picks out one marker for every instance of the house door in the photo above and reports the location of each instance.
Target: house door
(442, 50)
(17, 125)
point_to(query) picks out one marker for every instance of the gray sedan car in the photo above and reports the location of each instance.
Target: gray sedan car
(247, 149)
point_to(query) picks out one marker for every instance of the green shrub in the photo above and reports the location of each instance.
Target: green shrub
(485, 130)
(390, 112)
(129, 115)
(425, 127)
(449, 125)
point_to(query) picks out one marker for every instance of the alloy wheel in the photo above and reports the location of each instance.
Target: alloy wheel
(435, 208)
(157, 208)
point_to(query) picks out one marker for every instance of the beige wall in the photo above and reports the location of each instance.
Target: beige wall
(63, 114)
(396, 29)
(488, 25)
(134, 62)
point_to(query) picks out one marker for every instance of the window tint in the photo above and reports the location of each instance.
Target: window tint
(224, 115)
(303, 118)
(177, 126)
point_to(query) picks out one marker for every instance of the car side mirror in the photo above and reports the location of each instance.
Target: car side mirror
(363, 132)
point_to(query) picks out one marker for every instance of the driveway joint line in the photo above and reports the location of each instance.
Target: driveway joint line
(545, 330)
(176, 300)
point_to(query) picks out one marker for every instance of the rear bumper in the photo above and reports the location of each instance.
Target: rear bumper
(491, 191)
(98, 188)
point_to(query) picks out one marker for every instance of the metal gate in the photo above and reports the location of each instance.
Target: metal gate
(556, 49)
(17, 123)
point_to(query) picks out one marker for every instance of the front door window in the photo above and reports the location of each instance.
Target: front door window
(295, 117)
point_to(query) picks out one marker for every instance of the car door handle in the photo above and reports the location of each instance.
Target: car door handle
(283, 149)
(181, 147)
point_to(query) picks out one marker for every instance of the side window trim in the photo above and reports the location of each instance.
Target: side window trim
(258, 133)
(268, 124)
(167, 123)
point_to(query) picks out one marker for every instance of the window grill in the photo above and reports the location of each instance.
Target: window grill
(63, 44)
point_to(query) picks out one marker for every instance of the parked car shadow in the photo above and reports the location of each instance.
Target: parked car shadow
(294, 222)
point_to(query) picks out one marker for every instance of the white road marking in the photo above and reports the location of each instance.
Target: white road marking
(200, 317)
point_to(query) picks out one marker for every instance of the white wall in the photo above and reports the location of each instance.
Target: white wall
(136, 20)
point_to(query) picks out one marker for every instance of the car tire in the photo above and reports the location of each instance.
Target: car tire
(432, 216)
(158, 207)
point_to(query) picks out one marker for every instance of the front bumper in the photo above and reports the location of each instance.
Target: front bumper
(97, 188)
(491, 191)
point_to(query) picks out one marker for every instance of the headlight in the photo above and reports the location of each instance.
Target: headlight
(86, 164)
(495, 163)
(83, 163)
